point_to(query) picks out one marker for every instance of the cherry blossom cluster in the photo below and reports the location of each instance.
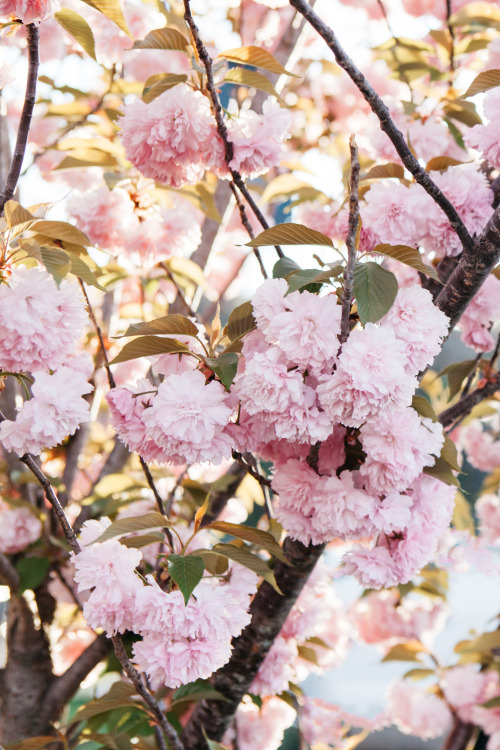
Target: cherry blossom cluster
(481, 443)
(27, 11)
(174, 138)
(40, 324)
(180, 643)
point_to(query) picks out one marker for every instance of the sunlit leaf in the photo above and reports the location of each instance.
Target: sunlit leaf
(440, 163)
(157, 84)
(241, 321)
(61, 230)
(166, 38)
(386, 170)
(57, 262)
(483, 643)
(462, 515)
(250, 78)
(375, 290)
(449, 453)
(290, 234)
(243, 556)
(143, 540)
(124, 526)
(442, 471)
(112, 10)
(456, 374)
(256, 56)
(249, 534)
(407, 255)
(408, 651)
(84, 272)
(79, 29)
(418, 673)
(423, 407)
(187, 571)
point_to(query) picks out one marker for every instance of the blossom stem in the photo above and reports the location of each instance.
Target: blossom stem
(248, 226)
(386, 122)
(26, 116)
(219, 119)
(350, 242)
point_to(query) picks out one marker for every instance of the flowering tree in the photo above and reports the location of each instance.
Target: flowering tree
(203, 425)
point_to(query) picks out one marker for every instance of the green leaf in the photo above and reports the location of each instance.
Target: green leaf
(135, 523)
(166, 38)
(84, 272)
(492, 703)
(79, 29)
(241, 321)
(138, 542)
(112, 10)
(456, 374)
(424, 407)
(157, 84)
(57, 262)
(196, 691)
(407, 255)
(249, 534)
(147, 346)
(102, 705)
(449, 453)
(408, 651)
(375, 291)
(290, 234)
(441, 470)
(187, 571)
(463, 112)
(252, 79)
(211, 744)
(224, 366)
(177, 324)
(283, 267)
(386, 170)
(243, 556)
(485, 81)
(258, 57)
(303, 278)
(31, 571)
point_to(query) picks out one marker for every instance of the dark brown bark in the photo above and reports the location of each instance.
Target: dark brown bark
(459, 736)
(269, 611)
(466, 404)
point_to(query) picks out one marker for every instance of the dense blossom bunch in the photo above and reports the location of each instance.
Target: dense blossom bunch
(481, 444)
(40, 322)
(477, 320)
(416, 712)
(28, 11)
(485, 137)
(320, 720)
(174, 138)
(181, 642)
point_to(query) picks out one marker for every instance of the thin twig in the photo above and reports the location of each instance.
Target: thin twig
(386, 122)
(470, 378)
(26, 116)
(179, 291)
(170, 498)
(8, 574)
(219, 119)
(134, 676)
(350, 241)
(240, 458)
(111, 379)
(248, 227)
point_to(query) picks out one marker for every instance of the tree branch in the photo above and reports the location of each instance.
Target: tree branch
(269, 611)
(386, 123)
(65, 686)
(8, 574)
(350, 242)
(468, 402)
(25, 121)
(459, 736)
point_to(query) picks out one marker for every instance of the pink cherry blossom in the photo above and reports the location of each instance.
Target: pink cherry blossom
(415, 712)
(20, 527)
(261, 727)
(173, 139)
(106, 216)
(393, 212)
(481, 446)
(257, 139)
(40, 322)
(488, 513)
(28, 11)
(481, 312)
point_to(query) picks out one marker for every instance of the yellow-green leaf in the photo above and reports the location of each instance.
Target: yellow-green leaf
(84, 272)
(442, 471)
(163, 82)
(241, 321)
(408, 651)
(449, 453)
(456, 374)
(79, 29)
(423, 407)
(112, 10)
(166, 38)
(290, 234)
(61, 230)
(252, 79)
(483, 643)
(124, 526)
(86, 157)
(407, 255)
(147, 346)
(485, 81)
(257, 56)
(440, 163)
(15, 214)
(250, 534)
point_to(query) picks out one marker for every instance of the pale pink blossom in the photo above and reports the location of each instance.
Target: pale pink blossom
(55, 411)
(371, 375)
(258, 139)
(261, 727)
(415, 712)
(173, 139)
(20, 527)
(28, 11)
(488, 513)
(320, 721)
(465, 686)
(106, 216)
(374, 568)
(277, 669)
(481, 446)
(40, 322)
(482, 311)
(268, 301)
(186, 419)
(393, 213)
(419, 323)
